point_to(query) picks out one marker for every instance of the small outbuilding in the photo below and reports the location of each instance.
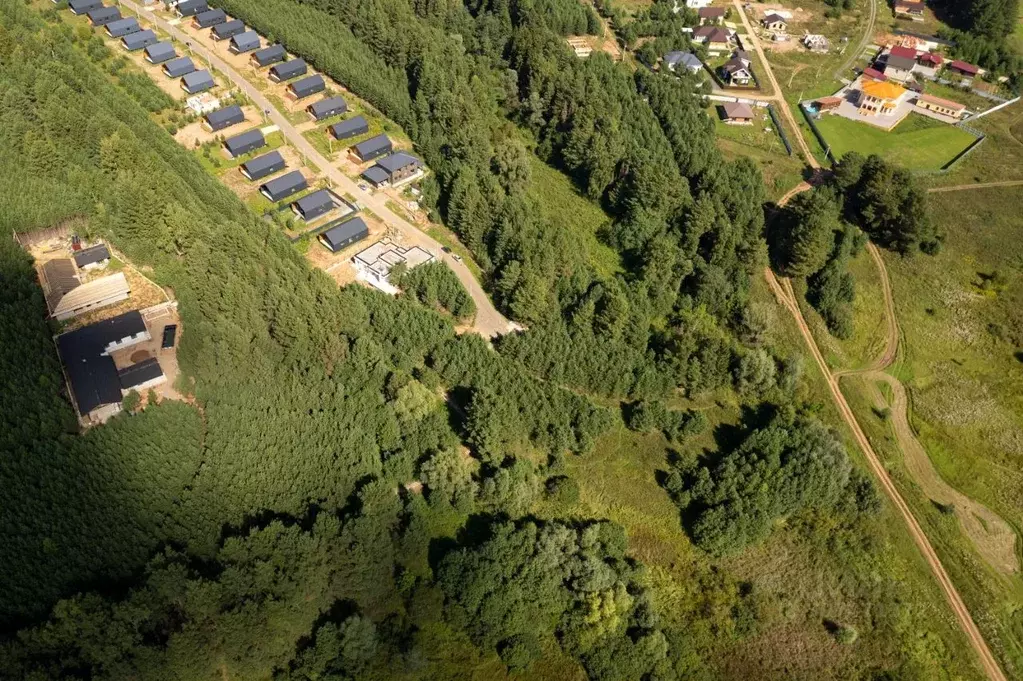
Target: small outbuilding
(228, 29)
(244, 42)
(963, 68)
(223, 118)
(353, 127)
(307, 86)
(176, 68)
(123, 27)
(374, 147)
(92, 296)
(737, 113)
(189, 8)
(84, 6)
(197, 81)
(268, 55)
(158, 53)
(93, 257)
(262, 166)
(136, 41)
(104, 16)
(828, 103)
(287, 70)
(325, 108)
(942, 106)
(209, 18)
(312, 206)
(244, 143)
(342, 234)
(141, 375)
(284, 186)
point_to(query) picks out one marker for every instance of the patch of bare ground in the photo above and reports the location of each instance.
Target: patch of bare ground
(339, 265)
(195, 134)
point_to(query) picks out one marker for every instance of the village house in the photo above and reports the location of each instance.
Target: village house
(685, 61)
(736, 71)
(711, 15)
(879, 98)
(911, 9)
(899, 63)
(945, 107)
(963, 68)
(774, 22)
(714, 37)
(737, 113)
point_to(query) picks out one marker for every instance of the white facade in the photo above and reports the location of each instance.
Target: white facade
(203, 103)
(697, 4)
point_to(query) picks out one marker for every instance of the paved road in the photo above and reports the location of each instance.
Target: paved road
(488, 323)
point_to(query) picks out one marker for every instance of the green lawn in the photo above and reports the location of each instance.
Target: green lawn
(917, 143)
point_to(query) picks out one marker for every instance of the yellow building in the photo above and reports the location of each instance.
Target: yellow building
(942, 106)
(879, 97)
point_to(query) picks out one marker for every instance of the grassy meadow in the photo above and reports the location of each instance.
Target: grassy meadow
(917, 143)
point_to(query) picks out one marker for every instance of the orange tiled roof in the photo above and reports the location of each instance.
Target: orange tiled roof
(882, 89)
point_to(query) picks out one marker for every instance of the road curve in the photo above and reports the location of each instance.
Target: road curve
(488, 322)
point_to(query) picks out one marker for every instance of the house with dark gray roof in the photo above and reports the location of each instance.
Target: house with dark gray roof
(343, 233)
(84, 6)
(209, 18)
(95, 256)
(223, 118)
(228, 29)
(325, 108)
(353, 127)
(176, 68)
(309, 85)
(244, 42)
(288, 70)
(244, 143)
(374, 147)
(104, 16)
(399, 166)
(375, 175)
(312, 206)
(268, 55)
(123, 27)
(141, 375)
(262, 166)
(284, 186)
(159, 53)
(197, 81)
(136, 41)
(189, 8)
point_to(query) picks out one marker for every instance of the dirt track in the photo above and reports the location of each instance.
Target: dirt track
(979, 185)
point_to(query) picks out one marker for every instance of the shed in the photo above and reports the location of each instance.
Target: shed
(339, 235)
(197, 81)
(104, 16)
(141, 375)
(312, 206)
(964, 68)
(59, 278)
(374, 147)
(264, 165)
(176, 68)
(159, 53)
(325, 108)
(84, 6)
(309, 85)
(189, 8)
(123, 27)
(228, 29)
(94, 256)
(288, 70)
(269, 55)
(829, 103)
(92, 296)
(244, 42)
(223, 118)
(244, 143)
(136, 41)
(353, 127)
(209, 18)
(284, 186)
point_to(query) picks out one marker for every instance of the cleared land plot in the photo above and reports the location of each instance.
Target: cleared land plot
(917, 143)
(762, 143)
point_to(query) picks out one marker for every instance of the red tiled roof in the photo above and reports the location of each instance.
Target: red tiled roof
(931, 58)
(964, 67)
(874, 73)
(899, 51)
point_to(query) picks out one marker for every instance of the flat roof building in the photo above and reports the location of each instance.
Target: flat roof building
(223, 118)
(209, 18)
(244, 143)
(309, 85)
(228, 29)
(123, 27)
(288, 70)
(176, 68)
(159, 53)
(268, 55)
(284, 186)
(189, 8)
(136, 41)
(244, 42)
(264, 165)
(197, 81)
(104, 16)
(325, 108)
(312, 206)
(374, 147)
(94, 256)
(339, 235)
(353, 127)
(84, 6)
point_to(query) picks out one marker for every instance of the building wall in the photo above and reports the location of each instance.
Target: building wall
(939, 109)
(140, 337)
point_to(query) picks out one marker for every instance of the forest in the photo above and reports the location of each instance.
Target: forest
(356, 491)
